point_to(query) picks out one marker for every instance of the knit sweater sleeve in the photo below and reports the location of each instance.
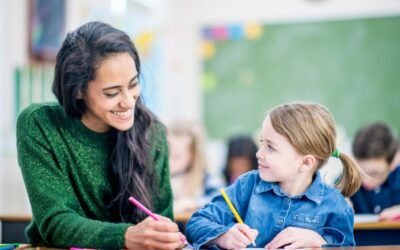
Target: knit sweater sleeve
(57, 212)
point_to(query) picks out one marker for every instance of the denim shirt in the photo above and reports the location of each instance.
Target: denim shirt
(264, 206)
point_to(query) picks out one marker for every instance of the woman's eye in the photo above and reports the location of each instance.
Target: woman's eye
(110, 94)
(133, 85)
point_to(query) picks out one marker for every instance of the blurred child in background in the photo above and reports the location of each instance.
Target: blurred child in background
(191, 182)
(285, 204)
(377, 151)
(241, 157)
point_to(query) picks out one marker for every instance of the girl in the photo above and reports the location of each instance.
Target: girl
(192, 184)
(285, 203)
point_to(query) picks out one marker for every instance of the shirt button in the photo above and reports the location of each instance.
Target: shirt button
(280, 221)
(377, 209)
(377, 190)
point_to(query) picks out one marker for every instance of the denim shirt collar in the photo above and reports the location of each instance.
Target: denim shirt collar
(314, 192)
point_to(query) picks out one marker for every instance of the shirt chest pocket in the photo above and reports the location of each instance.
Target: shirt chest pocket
(306, 220)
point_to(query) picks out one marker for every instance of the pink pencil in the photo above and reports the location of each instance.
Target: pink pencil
(148, 212)
(143, 208)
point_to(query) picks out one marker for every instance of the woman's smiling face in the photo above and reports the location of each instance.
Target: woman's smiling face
(111, 97)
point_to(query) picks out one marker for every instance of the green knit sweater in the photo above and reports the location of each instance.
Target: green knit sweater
(65, 169)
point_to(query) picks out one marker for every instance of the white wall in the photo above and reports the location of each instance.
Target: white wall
(2, 118)
(14, 38)
(13, 47)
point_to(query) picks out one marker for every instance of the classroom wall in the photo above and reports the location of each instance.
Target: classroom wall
(13, 53)
(13, 21)
(179, 23)
(14, 36)
(184, 67)
(2, 104)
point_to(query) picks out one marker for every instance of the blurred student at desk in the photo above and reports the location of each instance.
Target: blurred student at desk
(241, 157)
(192, 183)
(378, 153)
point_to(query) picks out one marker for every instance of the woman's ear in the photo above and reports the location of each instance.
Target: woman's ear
(79, 95)
(308, 163)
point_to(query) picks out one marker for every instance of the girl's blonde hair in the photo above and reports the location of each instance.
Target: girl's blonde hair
(310, 128)
(197, 170)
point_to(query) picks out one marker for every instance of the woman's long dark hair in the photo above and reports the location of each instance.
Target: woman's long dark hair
(77, 61)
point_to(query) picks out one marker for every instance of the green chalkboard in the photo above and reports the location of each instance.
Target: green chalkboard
(350, 66)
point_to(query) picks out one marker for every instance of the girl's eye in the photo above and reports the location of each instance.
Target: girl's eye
(270, 148)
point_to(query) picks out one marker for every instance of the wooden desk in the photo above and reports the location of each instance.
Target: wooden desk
(371, 233)
(377, 233)
(377, 225)
(12, 228)
(15, 217)
(27, 247)
(183, 218)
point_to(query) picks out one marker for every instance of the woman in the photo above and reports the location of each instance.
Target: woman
(82, 158)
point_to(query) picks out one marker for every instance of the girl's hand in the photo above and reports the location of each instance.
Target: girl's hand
(151, 234)
(390, 214)
(295, 237)
(238, 236)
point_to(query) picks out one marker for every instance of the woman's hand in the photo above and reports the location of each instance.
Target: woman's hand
(390, 214)
(295, 237)
(152, 234)
(238, 236)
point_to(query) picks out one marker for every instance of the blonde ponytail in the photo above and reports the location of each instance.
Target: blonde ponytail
(351, 177)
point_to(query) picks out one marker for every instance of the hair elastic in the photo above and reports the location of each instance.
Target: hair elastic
(336, 154)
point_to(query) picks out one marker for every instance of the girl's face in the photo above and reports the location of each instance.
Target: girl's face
(180, 153)
(278, 160)
(111, 97)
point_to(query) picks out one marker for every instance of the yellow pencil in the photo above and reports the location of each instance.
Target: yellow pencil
(233, 209)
